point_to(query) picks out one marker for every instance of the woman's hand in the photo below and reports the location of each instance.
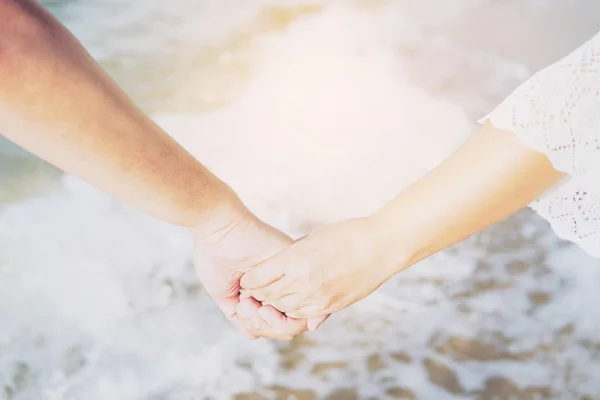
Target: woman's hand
(323, 272)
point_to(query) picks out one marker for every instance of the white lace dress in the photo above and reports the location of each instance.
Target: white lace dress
(557, 112)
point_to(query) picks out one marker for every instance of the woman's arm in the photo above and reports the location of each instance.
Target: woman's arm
(56, 102)
(549, 124)
(492, 176)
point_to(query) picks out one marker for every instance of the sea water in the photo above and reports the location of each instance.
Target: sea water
(314, 111)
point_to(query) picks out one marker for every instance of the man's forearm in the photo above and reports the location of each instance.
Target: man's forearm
(57, 102)
(491, 177)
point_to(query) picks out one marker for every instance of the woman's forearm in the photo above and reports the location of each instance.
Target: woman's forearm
(57, 102)
(492, 176)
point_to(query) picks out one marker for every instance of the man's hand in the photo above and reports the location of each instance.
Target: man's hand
(228, 245)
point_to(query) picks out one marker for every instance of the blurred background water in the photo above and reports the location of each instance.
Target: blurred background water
(316, 104)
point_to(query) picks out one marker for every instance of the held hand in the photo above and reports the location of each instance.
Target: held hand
(323, 272)
(269, 323)
(226, 246)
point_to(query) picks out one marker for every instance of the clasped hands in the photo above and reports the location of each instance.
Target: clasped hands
(272, 287)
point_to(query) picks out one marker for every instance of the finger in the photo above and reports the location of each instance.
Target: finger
(267, 322)
(239, 323)
(273, 317)
(284, 326)
(308, 311)
(228, 305)
(314, 323)
(274, 291)
(287, 304)
(263, 274)
(247, 311)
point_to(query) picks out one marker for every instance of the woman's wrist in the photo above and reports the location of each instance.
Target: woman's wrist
(392, 246)
(398, 243)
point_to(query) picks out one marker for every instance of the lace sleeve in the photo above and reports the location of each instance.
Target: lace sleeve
(557, 112)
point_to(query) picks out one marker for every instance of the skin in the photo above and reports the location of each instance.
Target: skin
(58, 103)
(489, 178)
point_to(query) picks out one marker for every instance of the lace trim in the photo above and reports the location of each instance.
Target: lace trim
(557, 112)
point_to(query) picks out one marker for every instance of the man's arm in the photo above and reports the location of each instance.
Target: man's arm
(58, 103)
